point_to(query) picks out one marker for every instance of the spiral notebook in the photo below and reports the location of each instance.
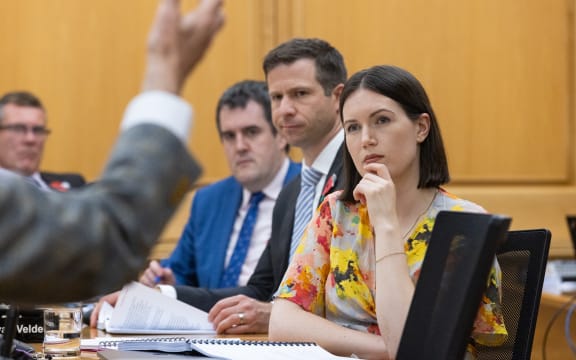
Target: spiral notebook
(214, 348)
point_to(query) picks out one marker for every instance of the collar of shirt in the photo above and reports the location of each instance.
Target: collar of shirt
(324, 161)
(4, 172)
(36, 176)
(273, 188)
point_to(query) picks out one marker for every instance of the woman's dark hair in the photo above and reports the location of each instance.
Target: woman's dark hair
(402, 87)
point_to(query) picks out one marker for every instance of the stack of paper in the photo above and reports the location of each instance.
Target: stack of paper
(143, 310)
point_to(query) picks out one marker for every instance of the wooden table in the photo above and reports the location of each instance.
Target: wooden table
(556, 345)
(550, 305)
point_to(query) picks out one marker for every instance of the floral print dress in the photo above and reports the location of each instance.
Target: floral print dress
(332, 273)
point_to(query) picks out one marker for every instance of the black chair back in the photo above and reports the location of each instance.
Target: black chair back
(453, 277)
(523, 259)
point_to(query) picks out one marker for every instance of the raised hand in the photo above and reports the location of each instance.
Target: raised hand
(156, 274)
(176, 43)
(376, 189)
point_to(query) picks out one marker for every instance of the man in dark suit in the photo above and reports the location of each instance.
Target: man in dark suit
(68, 248)
(23, 133)
(257, 157)
(305, 78)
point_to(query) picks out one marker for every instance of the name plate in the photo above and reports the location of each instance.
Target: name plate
(30, 326)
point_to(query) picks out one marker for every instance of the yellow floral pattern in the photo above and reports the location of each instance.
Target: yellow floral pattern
(333, 271)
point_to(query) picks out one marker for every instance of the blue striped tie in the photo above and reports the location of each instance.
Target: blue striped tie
(234, 268)
(303, 213)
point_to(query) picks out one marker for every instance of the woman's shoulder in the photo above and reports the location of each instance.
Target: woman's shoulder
(335, 204)
(448, 201)
(333, 197)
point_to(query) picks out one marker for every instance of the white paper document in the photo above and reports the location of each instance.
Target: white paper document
(143, 310)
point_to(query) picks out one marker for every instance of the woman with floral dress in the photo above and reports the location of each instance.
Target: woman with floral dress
(351, 281)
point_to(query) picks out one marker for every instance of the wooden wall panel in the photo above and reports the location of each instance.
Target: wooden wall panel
(236, 55)
(85, 60)
(530, 207)
(500, 76)
(498, 73)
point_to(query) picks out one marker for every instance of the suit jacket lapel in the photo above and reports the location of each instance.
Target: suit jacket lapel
(293, 171)
(282, 225)
(228, 204)
(335, 178)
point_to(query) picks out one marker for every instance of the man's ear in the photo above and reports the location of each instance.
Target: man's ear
(422, 127)
(336, 92)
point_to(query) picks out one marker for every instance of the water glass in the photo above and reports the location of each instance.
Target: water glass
(62, 330)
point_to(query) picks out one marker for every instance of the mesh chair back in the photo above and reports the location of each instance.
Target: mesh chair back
(522, 258)
(453, 276)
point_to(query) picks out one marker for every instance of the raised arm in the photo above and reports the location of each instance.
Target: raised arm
(177, 43)
(64, 247)
(289, 322)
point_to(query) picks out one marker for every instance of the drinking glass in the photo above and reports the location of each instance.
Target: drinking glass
(62, 330)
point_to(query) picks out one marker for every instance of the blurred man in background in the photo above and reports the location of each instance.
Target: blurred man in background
(23, 134)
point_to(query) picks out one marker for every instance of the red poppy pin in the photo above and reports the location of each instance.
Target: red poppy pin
(328, 186)
(60, 185)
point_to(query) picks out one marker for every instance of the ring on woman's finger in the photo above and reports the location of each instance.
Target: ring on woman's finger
(240, 318)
